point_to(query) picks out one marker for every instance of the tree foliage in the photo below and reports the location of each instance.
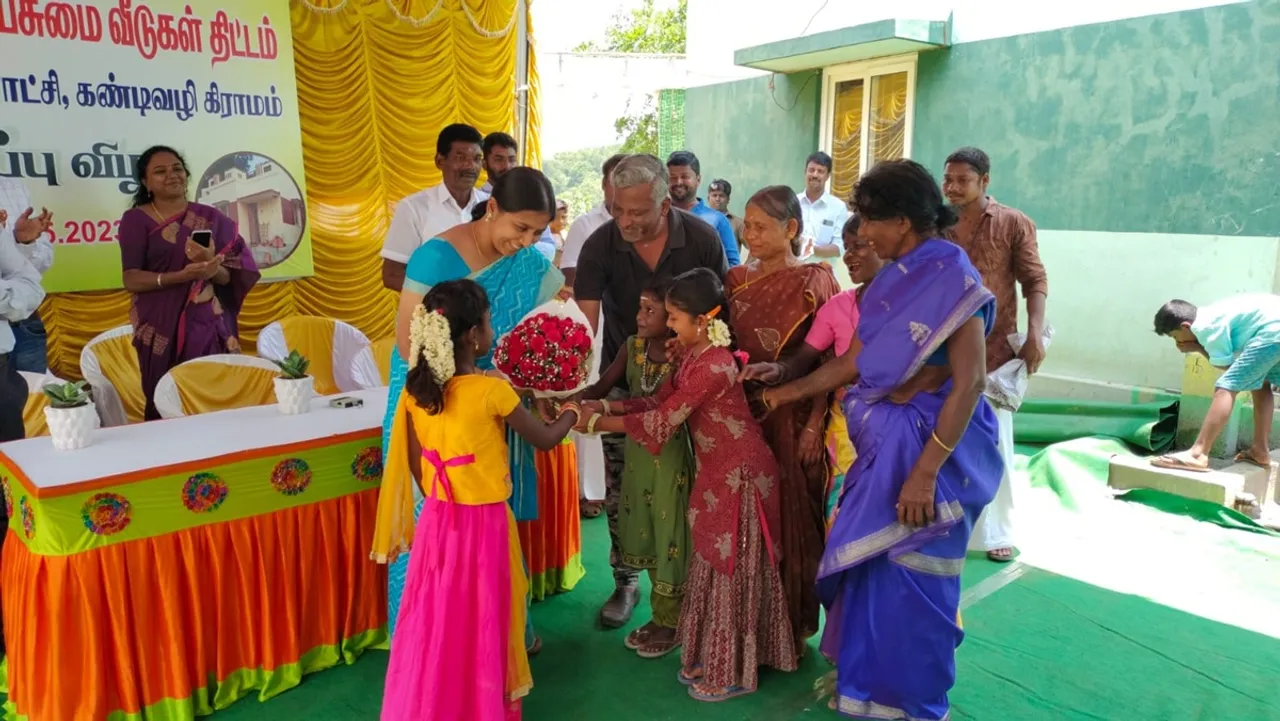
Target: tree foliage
(575, 174)
(644, 29)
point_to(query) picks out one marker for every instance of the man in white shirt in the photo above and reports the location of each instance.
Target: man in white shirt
(427, 213)
(20, 296)
(824, 215)
(587, 223)
(500, 155)
(31, 233)
(591, 479)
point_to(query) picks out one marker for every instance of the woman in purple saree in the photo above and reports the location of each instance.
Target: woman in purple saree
(927, 459)
(186, 296)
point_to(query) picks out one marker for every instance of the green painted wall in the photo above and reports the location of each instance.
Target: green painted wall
(750, 136)
(1162, 124)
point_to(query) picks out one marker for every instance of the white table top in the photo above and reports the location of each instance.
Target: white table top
(137, 447)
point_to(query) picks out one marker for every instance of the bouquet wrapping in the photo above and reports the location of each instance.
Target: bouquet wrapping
(549, 352)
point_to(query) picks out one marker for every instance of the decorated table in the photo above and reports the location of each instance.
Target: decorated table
(172, 567)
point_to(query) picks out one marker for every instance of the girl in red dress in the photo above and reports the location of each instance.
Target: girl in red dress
(734, 616)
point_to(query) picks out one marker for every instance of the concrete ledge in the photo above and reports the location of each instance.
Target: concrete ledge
(1222, 484)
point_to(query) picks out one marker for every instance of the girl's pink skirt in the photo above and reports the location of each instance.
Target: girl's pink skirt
(452, 657)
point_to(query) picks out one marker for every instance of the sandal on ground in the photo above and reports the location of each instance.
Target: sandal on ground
(1248, 457)
(639, 636)
(535, 648)
(589, 509)
(1000, 555)
(657, 649)
(1176, 462)
(689, 680)
(724, 695)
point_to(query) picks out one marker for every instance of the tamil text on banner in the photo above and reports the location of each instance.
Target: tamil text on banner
(88, 86)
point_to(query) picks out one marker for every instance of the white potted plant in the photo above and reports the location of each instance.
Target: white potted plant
(294, 388)
(70, 415)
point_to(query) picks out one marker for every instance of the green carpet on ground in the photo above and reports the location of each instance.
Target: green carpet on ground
(1151, 426)
(1043, 647)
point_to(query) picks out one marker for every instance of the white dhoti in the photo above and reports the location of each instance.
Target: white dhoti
(995, 526)
(590, 451)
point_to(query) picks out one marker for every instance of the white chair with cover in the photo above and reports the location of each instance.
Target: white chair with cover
(33, 412)
(216, 383)
(372, 368)
(329, 344)
(110, 363)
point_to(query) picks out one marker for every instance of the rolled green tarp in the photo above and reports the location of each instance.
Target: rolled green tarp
(1150, 426)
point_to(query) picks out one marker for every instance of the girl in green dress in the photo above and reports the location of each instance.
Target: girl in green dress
(652, 527)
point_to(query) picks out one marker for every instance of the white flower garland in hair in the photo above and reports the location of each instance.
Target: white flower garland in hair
(718, 333)
(430, 338)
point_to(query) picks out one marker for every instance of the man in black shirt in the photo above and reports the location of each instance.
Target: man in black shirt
(647, 241)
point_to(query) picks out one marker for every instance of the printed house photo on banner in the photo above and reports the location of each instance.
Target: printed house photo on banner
(262, 197)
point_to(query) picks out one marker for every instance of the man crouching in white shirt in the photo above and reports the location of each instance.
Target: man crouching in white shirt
(427, 213)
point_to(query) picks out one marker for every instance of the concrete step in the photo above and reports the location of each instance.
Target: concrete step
(1224, 483)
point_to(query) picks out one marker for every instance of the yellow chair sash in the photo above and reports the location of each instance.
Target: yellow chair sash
(210, 387)
(382, 356)
(119, 362)
(312, 336)
(33, 414)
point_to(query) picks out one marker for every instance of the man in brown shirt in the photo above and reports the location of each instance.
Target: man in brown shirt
(1001, 242)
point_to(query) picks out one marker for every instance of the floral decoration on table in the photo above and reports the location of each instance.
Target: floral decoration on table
(105, 514)
(204, 493)
(28, 518)
(291, 476)
(8, 496)
(548, 352)
(367, 466)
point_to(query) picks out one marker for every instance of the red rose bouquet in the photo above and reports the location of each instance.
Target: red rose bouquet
(549, 352)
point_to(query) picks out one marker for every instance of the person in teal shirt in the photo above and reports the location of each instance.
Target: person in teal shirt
(1240, 335)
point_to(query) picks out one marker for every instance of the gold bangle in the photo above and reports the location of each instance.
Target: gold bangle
(764, 399)
(159, 278)
(591, 423)
(605, 409)
(945, 447)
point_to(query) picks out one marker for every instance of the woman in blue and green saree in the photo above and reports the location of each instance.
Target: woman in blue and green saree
(495, 250)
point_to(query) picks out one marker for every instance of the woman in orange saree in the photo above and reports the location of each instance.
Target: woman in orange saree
(774, 299)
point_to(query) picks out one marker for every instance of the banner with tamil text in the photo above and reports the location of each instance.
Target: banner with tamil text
(86, 87)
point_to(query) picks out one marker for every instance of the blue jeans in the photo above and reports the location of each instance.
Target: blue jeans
(29, 345)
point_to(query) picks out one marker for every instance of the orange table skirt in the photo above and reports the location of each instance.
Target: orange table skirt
(178, 625)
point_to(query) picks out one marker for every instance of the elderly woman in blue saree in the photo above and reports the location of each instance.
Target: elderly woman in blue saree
(495, 250)
(927, 459)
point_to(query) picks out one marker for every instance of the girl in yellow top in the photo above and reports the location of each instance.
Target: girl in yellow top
(458, 652)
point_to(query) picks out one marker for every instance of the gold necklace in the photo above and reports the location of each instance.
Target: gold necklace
(475, 243)
(651, 372)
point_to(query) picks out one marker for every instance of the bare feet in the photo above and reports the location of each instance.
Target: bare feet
(1184, 461)
(1000, 555)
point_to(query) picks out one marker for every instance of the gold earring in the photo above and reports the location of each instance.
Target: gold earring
(488, 217)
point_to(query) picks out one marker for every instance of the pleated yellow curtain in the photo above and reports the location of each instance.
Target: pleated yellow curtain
(377, 80)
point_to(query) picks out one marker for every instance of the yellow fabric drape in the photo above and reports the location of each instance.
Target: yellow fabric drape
(381, 350)
(33, 420)
(846, 141)
(886, 128)
(210, 387)
(119, 363)
(313, 337)
(377, 80)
